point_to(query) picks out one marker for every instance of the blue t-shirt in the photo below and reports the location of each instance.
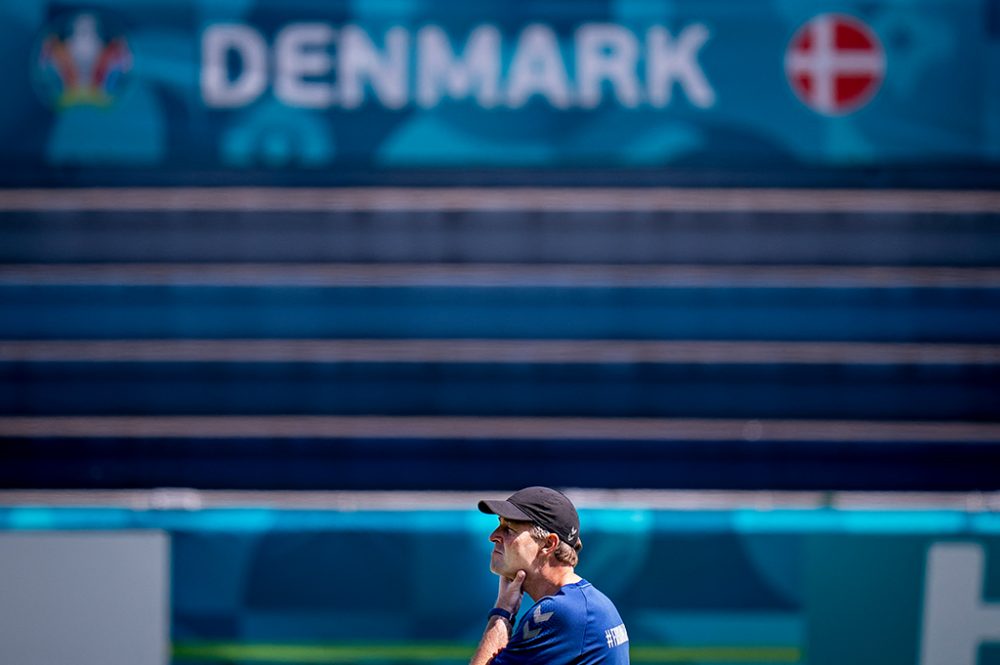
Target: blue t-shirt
(577, 625)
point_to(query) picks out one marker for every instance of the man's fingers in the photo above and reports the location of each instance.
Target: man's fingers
(514, 588)
(509, 597)
(515, 581)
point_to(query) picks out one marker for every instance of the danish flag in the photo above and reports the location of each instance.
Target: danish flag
(835, 64)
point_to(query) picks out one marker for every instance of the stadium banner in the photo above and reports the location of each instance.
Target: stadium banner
(816, 586)
(164, 87)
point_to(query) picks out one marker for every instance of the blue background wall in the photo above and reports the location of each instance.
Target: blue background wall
(151, 115)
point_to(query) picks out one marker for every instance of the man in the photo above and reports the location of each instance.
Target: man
(535, 551)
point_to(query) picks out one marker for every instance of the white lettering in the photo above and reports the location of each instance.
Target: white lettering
(616, 636)
(667, 62)
(538, 69)
(359, 61)
(217, 42)
(301, 52)
(318, 66)
(479, 64)
(606, 52)
(956, 620)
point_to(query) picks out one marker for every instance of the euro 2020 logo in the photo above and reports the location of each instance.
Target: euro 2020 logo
(82, 59)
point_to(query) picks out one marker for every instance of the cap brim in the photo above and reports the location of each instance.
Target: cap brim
(504, 509)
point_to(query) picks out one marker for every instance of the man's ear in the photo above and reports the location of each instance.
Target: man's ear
(551, 542)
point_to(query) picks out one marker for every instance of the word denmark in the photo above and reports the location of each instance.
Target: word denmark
(320, 66)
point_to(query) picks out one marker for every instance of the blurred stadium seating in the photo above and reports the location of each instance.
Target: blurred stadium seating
(715, 339)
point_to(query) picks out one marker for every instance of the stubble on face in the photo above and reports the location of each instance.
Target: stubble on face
(511, 548)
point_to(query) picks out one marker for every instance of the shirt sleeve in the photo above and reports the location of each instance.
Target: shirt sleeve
(546, 634)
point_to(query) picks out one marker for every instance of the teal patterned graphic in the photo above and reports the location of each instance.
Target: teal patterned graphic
(816, 586)
(224, 87)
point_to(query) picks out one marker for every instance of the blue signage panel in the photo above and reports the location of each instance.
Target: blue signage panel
(170, 86)
(743, 587)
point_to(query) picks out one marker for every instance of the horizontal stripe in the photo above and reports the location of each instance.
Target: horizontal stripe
(496, 352)
(496, 275)
(683, 389)
(863, 315)
(643, 654)
(283, 500)
(465, 427)
(763, 518)
(291, 653)
(294, 653)
(501, 199)
(430, 500)
(524, 239)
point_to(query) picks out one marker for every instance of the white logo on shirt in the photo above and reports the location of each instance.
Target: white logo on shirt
(537, 617)
(616, 636)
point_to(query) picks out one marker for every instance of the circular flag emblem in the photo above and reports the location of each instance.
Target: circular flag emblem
(835, 64)
(81, 59)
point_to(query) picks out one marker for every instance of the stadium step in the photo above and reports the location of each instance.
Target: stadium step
(968, 315)
(525, 236)
(467, 339)
(719, 455)
(916, 390)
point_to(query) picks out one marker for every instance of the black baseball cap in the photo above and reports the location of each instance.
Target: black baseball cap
(546, 507)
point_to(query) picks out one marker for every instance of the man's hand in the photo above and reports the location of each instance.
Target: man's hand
(498, 630)
(509, 596)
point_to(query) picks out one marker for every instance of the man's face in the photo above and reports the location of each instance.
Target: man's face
(513, 548)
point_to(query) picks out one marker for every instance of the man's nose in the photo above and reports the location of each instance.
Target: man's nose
(495, 536)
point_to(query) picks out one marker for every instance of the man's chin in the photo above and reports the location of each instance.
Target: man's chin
(500, 572)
